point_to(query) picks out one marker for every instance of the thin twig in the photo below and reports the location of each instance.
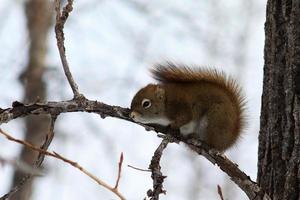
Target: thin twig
(119, 171)
(60, 157)
(26, 144)
(61, 18)
(139, 169)
(156, 175)
(38, 162)
(220, 192)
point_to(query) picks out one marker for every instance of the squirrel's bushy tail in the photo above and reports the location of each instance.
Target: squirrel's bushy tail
(172, 73)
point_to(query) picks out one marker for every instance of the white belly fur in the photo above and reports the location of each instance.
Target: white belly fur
(198, 127)
(188, 128)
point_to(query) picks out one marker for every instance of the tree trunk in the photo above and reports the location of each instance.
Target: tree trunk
(38, 13)
(279, 138)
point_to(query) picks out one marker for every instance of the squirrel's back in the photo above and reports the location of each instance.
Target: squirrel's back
(172, 73)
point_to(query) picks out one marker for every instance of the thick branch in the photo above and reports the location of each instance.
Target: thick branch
(55, 108)
(251, 188)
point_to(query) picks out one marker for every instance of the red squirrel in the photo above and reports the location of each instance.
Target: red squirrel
(202, 103)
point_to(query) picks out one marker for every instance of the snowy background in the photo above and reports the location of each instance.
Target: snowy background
(110, 46)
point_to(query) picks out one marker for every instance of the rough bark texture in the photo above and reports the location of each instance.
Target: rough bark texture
(279, 138)
(38, 13)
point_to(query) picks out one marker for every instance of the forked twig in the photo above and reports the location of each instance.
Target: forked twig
(60, 157)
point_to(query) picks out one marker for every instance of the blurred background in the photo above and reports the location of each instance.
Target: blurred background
(110, 46)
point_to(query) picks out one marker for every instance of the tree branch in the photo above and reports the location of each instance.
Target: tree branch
(250, 187)
(61, 18)
(56, 108)
(220, 192)
(38, 161)
(21, 166)
(156, 174)
(53, 154)
(119, 171)
(139, 169)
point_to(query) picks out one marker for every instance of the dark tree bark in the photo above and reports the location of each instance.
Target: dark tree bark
(38, 13)
(279, 138)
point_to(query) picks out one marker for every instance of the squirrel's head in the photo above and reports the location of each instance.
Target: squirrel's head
(148, 105)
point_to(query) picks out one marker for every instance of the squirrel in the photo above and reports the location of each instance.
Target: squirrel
(202, 103)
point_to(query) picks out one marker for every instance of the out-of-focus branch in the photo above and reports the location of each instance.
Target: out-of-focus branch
(38, 16)
(53, 154)
(156, 174)
(21, 166)
(61, 18)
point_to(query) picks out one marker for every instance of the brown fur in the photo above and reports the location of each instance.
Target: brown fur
(202, 103)
(212, 93)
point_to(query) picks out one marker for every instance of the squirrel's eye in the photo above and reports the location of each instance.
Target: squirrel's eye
(146, 103)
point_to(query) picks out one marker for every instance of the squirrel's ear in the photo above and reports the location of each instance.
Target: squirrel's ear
(160, 92)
